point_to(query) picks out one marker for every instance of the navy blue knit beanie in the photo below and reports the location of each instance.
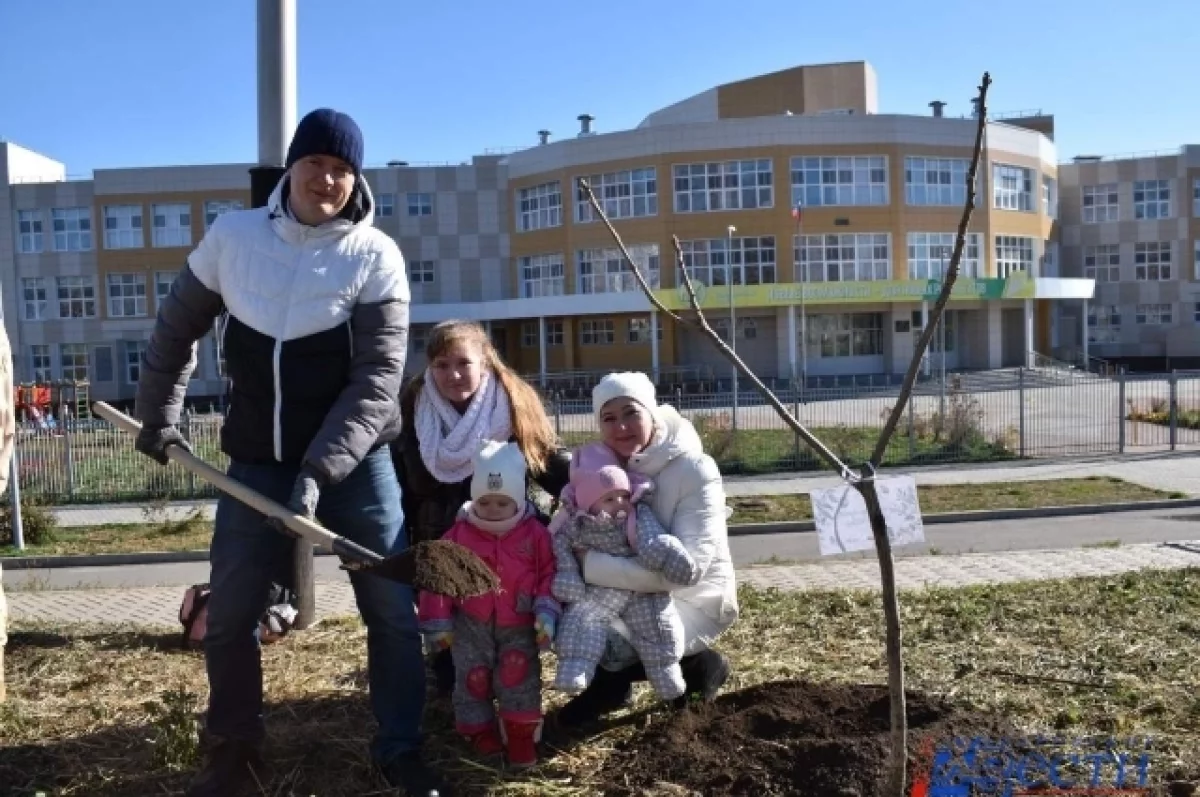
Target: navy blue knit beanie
(327, 132)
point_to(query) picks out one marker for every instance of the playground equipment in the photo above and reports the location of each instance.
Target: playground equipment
(48, 403)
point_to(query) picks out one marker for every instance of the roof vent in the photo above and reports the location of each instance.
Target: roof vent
(1086, 158)
(543, 136)
(937, 106)
(585, 124)
(396, 164)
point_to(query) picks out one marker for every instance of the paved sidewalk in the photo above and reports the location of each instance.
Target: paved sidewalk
(157, 606)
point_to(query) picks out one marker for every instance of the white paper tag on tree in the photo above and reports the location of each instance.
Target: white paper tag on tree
(841, 516)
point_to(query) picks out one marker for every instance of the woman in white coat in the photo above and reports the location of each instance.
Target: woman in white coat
(689, 500)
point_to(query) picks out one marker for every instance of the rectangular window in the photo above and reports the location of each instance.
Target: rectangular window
(420, 271)
(935, 181)
(33, 298)
(605, 271)
(73, 358)
(1152, 199)
(72, 229)
(40, 363)
(172, 225)
(1196, 197)
(753, 260)
(833, 181)
(163, 280)
(134, 351)
(123, 227)
(1104, 323)
(29, 232)
(1050, 196)
(1102, 263)
(723, 185)
(419, 204)
(76, 297)
(1013, 253)
(542, 275)
(1196, 260)
(929, 255)
(628, 194)
(216, 207)
(102, 362)
(1013, 187)
(845, 335)
(1154, 314)
(597, 332)
(1152, 261)
(540, 206)
(1101, 203)
(385, 205)
(845, 257)
(529, 334)
(1196, 312)
(126, 295)
(639, 330)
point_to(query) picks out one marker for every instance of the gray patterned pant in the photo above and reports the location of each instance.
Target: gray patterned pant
(653, 622)
(499, 662)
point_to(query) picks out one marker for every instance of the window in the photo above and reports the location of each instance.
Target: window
(1102, 263)
(948, 330)
(845, 257)
(216, 207)
(935, 181)
(540, 206)
(1154, 314)
(1196, 260)
(1013, 188)
(628, 194)
(72, 229)
(1196, 197)
(723, 185)
(172, 225)
(126, 295)
(134, 351)
(73, 357)
(123, 227)
(753, 260)
(597, 333)
(420, 271)
(639, 330)
(542, 275)
(1104, 323)
(1151, 199)
(845, 335)
(1050, 196)
(420, 204)
(1048, 265)
(76, 297)
(1196, 313)
(1152, 261)
(529, 334)
(929, 255)
(102, 364)
(29, 232)
(747, 328)
(418, 337)
(40, 363)
(857, 180)
(33, 298)
(605, 271)
(385, 205)
(1013, 253)
(163, 280)
(1101, 203)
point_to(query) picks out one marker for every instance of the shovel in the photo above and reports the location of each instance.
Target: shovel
(440, 566)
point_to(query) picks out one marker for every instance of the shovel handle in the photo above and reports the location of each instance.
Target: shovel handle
(307, 529)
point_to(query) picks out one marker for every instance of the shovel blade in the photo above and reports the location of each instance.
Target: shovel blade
(441, 567)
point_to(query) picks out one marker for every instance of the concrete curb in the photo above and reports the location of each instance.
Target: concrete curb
(740, 530)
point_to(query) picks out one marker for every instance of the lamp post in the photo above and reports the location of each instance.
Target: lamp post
(942, 338)
(729, 231)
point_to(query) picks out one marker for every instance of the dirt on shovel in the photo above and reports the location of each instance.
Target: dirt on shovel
(442, 567)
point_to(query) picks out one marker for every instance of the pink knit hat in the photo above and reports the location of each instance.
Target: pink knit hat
(595, 472)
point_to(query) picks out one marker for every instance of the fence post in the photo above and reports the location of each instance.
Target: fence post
(796, 412)
(1174, 407)
(1121, 410)
(556, 398)
(68, 456)
(1021, 401)
(186, 430)
(912, 428)
(14, 488)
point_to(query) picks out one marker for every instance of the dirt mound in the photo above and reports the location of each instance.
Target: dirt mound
(442, 567)
(784, 738)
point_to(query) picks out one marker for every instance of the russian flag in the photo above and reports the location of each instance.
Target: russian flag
(797, 211)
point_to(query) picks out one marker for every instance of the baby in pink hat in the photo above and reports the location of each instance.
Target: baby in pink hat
(602, 510)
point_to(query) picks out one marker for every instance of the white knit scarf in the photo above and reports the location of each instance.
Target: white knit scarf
(448, 440)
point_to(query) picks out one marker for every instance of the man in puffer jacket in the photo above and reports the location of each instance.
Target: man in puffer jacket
(316, 335)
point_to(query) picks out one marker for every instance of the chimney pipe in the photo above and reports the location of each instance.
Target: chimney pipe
(543, 136)
(937, 106)
(585, 124)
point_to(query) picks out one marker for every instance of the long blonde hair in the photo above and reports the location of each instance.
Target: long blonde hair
(532, 430)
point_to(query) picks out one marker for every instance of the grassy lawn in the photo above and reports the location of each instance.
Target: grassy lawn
(112, 712)
(194, 533)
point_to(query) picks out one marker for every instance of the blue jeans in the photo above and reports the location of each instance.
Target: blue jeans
(247, 555)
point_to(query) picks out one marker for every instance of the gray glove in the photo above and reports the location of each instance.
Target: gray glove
(306, 494)
(153, 441)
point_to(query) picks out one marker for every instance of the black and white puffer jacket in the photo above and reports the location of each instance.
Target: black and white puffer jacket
(315, 335)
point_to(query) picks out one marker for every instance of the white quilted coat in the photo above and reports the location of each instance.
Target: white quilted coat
(689, 500)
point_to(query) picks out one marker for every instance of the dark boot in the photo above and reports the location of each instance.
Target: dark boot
(704, 674)
(413, 777)
(227, 769)
(443, 672)
(607, 692)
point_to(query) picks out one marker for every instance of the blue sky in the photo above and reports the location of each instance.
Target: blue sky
(147, 82)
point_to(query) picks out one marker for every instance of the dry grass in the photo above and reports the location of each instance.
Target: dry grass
(107, 712)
